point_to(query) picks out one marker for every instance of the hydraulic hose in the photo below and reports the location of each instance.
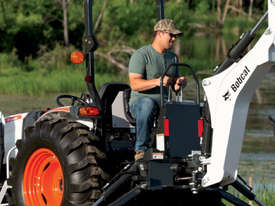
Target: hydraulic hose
(116, 186)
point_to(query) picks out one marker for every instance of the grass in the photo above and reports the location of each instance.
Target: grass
(15, 81)
(24, 91)
(263, 193)
(51, 72)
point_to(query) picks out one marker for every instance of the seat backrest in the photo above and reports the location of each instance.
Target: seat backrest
(108, 93)
(126, 98)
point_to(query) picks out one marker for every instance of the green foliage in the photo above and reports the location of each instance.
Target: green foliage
(8, 60)
(131, 23)
(178, 11)
(31, 33)
(29, 24)
(202, 7)
(56, 59)
(130, 18)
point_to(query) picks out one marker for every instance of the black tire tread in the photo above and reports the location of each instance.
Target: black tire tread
(82, 155)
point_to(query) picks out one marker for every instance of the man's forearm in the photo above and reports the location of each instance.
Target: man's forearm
(143, 85)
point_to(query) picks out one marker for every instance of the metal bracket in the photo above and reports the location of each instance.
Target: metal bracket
(5, 186)
(91, 43)
(7, 162)
(3, 192)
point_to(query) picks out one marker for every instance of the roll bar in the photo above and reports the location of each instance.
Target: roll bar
(90, 46)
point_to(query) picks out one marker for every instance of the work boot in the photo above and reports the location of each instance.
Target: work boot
(139, 155)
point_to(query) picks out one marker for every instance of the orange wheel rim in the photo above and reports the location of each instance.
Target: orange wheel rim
(43, 182)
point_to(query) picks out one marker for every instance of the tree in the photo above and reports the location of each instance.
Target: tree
(65, 22)
(3, 12)
(219, 12)
(100, 16)
(222, 16)
(250, 9)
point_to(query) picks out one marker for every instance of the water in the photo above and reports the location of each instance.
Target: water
(258, 153)
(259, 166)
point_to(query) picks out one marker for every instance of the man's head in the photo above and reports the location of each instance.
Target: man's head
(165, 33)
(167, 25)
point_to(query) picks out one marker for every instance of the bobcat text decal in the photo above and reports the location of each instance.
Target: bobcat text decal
(237, 84)
(240, 79)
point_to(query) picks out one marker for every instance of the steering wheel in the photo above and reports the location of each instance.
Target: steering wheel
(73, 99)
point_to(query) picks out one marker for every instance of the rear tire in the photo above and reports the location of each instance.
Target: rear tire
(58, 164)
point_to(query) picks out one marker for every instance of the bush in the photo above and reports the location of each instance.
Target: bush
(8, 60)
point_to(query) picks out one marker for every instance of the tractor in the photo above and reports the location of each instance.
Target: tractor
(82, 153)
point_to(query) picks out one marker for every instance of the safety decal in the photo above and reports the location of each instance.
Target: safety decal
(59, 109)
(13, 118)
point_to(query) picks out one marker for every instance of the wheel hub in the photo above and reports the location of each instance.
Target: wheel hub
(43, 182)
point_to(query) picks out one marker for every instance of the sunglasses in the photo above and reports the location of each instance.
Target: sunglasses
(171, 35)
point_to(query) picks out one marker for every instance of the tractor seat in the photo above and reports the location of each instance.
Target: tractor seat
(115, 102)
(126, 98)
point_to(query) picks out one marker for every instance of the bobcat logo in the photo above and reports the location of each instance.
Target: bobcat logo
(226, 96)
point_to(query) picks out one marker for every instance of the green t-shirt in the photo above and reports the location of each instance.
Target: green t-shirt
(151, 64)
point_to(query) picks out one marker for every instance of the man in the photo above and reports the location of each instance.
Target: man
(145, 69)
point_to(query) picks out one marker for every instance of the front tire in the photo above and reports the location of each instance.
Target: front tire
(58, 164)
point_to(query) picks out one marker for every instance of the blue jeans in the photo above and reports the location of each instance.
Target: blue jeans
(144, 110)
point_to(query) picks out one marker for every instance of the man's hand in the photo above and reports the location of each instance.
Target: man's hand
(180, 81)
(166, 81)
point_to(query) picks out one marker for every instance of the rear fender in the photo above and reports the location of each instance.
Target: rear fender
(59, 112)
(13, 131)
(67, 112)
